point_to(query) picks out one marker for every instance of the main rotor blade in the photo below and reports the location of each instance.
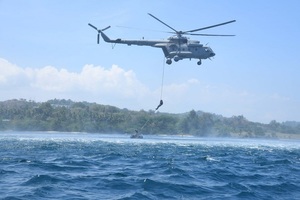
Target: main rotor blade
(93, 26)
(208, 34)
(200, 29)
(163, 22)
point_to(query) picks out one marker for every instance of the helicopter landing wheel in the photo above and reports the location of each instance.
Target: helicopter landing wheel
(199, 62)
(169, 62)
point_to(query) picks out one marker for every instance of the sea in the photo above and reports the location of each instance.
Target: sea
(55, 165)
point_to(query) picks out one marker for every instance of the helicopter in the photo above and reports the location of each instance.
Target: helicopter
(176, 47)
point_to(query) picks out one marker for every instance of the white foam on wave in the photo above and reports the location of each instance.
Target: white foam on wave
(263, 144)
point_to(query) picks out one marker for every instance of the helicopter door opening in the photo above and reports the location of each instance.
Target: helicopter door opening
(173, 47)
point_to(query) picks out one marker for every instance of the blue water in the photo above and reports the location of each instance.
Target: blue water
(101, 166)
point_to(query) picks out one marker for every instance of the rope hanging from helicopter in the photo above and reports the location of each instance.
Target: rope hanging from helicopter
(161, 95)
(162, 80)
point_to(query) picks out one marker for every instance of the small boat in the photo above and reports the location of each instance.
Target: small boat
(136, 135)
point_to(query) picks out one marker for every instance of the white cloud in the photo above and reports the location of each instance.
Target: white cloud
(51, 79)
(95, 79)
(9, 73)
(114, 85)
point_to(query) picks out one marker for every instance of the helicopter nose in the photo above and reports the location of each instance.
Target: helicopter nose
(212, 54)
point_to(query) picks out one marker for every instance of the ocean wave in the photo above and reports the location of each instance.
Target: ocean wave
(72, 166)
(41, 180)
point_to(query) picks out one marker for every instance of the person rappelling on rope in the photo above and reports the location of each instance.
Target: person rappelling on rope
(160, 104)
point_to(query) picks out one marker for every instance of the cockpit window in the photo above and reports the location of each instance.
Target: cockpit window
(208, 49)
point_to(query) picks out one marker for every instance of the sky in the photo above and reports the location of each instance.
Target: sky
(47, 51)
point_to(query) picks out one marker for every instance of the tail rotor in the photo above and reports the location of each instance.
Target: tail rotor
(99, 31)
